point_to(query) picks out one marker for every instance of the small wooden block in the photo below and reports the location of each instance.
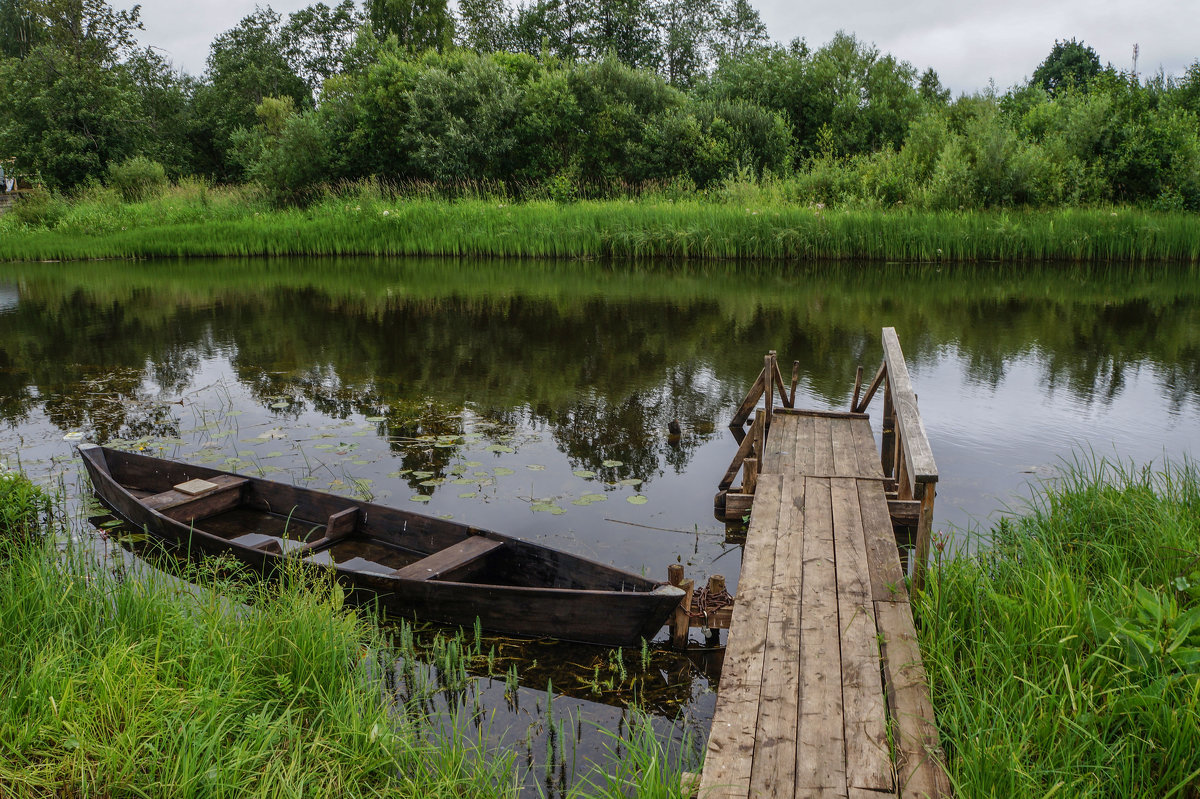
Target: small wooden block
(196, 487)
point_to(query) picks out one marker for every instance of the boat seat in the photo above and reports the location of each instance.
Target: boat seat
(190, 501)
(340, 525)
(452, 562)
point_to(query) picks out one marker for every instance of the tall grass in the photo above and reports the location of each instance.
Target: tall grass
(198, 221)
(1066, 659)
(114, 686)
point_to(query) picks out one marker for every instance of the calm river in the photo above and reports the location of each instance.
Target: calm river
(534, 398)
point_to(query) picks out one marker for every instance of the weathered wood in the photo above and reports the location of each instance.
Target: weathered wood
(681, 620)
(780, 456)
(752, 396)
(858, 373)
(760, 428)
(196, 486)
(883, 561)
(919, 769)
(822, 446)
(821, 748)
(819, 414)
(868, 759)
(744, 449)
(784, 400)
(228, 496)
(449, 561)
(774, 766)
(716, 584)
(167, 499)
(731, 740)
(749, 475)
(795, 382)
(880, 374)
(924, 531)
(845, 459)
(905, 512)
(917, 454)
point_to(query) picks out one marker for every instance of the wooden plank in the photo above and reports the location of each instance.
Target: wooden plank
(730, 753)
(780, 455)
(784, 400)
(917, 453)
(821, 748)
(858, 373)
(880, 374)
(227, 497)
(742, 451)
(805, 441)
(868, 758)
(845, 459)
(883, 560)
(905, 511)
(822, 446)
(919, 769)
(864, 793)
(449, 560)
(774, 766)
(747, 407)
(827, 414)
(167, 499)
(196, 486)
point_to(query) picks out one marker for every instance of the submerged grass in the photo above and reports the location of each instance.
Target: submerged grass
(1066, 659)
(196, 221)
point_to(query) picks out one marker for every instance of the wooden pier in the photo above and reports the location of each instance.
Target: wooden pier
(822, 692)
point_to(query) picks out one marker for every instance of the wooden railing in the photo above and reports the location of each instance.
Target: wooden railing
(905, 454)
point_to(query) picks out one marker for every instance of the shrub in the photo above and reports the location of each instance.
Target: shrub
(24, 511)
(137, 178)
(38, 208)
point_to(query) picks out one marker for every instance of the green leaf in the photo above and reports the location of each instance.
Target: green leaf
(612, 464)
(503, 471)
(420, 498)
(584, 473)
(637, 499)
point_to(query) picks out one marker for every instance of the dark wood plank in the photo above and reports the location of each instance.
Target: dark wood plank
(780, 455)
(822, 446)
(450, 560)
(747, 407)
(774, 766)
(868, 759)
(845, 459)
(168, 499)
(821, 748)
(825, 414)
(730, 753)
(919, 769)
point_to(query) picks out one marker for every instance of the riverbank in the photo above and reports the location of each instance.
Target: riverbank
(1065, 659)
(749, 225)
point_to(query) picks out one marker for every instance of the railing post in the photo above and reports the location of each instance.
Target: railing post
(887, 443)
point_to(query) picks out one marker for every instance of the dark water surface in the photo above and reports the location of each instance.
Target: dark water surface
(534, 398)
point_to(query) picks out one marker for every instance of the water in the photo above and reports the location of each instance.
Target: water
(534, 399)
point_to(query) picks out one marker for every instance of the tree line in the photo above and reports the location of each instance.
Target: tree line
(569, 98)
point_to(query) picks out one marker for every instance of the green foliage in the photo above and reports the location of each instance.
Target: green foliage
(1064, 657)
(38, 207)
(1069, 65)
(418, 25)
(137, 178)
(25, 513)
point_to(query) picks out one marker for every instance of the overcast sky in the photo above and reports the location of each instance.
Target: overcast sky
(968, 42)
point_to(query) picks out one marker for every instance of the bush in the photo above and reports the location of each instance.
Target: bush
(137, 178)
(38, 208)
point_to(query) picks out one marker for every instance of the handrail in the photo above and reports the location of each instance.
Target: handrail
(918, 466)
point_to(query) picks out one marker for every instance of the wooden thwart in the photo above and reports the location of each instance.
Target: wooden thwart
(449, 561)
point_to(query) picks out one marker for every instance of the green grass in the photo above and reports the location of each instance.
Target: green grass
(196, 221)
(1065, 660)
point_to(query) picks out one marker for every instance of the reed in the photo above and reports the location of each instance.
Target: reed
(233, 223)
(1065, 659)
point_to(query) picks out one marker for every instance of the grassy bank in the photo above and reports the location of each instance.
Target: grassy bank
(740, 225)
(1066, 660)
(136, 685)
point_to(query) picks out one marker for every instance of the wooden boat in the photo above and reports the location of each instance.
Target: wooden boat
(416, 566)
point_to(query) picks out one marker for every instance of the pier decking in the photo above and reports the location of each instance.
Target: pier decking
(823, 693)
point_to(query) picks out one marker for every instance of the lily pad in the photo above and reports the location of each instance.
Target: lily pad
(422, 475)
(500, 448)
(420, 498)
(468, 495)
(548, 507)
(503, 471)
(534, 467)
(631, 481)
(584, 473)
(73, 436)
(399, 473)
(280, 405)
(436, 481)
(463, 481)
(376, 419)
(637, 499)
(612, 464)
(473, 464)
(595, 497)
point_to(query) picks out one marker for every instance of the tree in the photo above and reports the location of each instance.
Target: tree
(739, 29)
(931, 90)
(486, 25)
(418, 25)
(1069, 64)
(19, 30)
(687, 33)
(245, 65)
(628, 29)
(69, 107)
(316, 39)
